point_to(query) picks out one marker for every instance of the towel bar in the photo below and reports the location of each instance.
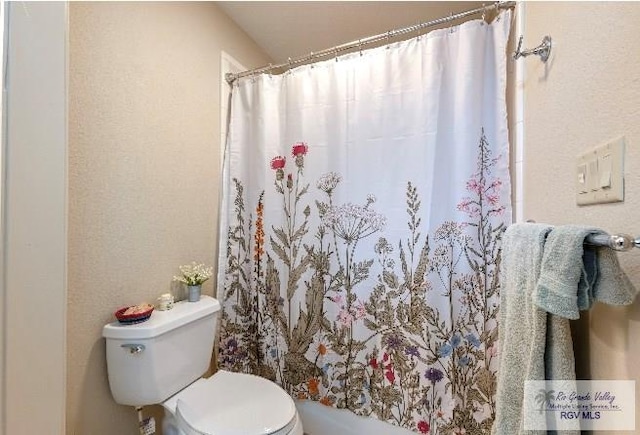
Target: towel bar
(617, 242)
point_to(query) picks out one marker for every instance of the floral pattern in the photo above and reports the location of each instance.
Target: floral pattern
(308, 305)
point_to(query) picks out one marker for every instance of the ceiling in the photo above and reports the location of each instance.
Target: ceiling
(295, 28)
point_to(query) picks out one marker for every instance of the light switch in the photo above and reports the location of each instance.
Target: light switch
(582, 179)
(592, 175)
(605, 179)
(604, 167)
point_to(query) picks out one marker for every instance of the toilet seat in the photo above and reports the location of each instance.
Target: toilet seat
(234, 404)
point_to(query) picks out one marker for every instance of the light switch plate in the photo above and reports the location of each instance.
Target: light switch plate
(600, 174)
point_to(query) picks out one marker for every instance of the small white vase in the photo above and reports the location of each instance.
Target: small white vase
(193, 293)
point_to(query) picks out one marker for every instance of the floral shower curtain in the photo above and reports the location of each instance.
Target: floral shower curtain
(364, 202)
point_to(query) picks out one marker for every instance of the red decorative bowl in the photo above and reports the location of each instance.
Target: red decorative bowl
(137, 317)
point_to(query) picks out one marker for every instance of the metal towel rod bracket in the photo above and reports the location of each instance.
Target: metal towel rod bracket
(617, 242)
(543, 50)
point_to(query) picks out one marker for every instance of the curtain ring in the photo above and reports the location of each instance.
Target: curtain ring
(484, 14)
(389, 39)
(311, 59)
(450, 20)
(360, 46)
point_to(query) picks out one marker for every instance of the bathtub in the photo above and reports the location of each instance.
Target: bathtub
(318, 419)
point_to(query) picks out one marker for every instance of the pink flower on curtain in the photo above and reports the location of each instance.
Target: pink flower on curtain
(337, 299)
(391, 377)
(358, 310)
(468, 206)
(423, 426)
(387, 365)
(485, 191)
(493, 199)
(476, 186)
(278, 162)
(345, 317)
(299, 149)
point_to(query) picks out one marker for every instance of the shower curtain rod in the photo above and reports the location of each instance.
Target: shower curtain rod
(231, 77)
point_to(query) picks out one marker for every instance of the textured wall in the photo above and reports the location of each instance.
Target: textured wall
(144, 160)
(588, 92)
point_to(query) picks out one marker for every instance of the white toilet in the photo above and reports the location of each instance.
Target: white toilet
(161, 361)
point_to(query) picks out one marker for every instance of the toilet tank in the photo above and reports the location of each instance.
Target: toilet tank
(151, 361)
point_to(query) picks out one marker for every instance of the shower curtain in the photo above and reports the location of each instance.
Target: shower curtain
(364, 202)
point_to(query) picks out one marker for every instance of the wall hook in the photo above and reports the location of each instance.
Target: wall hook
(543, 50)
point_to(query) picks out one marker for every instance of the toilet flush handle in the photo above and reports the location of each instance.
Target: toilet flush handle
(133, 348)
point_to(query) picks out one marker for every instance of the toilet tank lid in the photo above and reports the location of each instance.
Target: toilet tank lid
(163, 321)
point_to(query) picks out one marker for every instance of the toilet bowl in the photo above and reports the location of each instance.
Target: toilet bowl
(231, 404)
(162, 360)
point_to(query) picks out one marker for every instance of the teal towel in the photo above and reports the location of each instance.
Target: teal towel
(612, 286)
(588, 278)
(563, 278)
(533, 345)
(573, 276)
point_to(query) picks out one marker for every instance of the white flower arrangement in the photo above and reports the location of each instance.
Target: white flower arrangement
(194, 274)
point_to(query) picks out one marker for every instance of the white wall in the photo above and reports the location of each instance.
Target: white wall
(34, 218)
